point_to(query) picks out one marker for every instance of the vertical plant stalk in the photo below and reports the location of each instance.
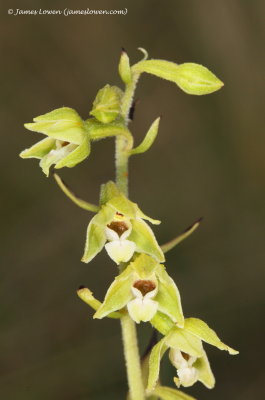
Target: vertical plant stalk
(132, 358)
(122, 154)
(128, 328)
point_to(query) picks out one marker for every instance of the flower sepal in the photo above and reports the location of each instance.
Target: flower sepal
(62, 124)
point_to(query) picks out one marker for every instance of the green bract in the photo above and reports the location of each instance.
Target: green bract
(67, 143)
(148, 139)
(145, 288)
(107, 104)
(186, 354)
(120, 227)
(178, 239)
(191, 78)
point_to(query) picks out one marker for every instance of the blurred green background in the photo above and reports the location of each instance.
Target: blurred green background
(208, 160)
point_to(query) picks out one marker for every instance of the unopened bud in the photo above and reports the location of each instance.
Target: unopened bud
(124, 67)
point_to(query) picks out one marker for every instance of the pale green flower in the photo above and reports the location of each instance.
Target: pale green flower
(187, 354)
(144, 288)
(143, 307)
(120, 227)
(67, 142)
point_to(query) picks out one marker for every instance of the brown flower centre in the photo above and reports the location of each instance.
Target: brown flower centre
(185, 356)
(118, 226)
(144, 286)
(64, 143)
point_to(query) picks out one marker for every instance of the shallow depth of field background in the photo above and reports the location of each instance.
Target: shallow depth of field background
(208, 160)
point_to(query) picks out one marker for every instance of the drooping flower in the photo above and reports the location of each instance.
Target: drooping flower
(187, 373)
(144, 288)
(67, 142)
(187, 354)
(120, 227)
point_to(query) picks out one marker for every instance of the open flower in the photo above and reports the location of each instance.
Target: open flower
(67, 142)
(187, 354)
(144, 288)
(119, 248)
(143, 307)
(185, 365)
(120, 227)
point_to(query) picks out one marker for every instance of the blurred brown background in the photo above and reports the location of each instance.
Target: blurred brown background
(208, 160)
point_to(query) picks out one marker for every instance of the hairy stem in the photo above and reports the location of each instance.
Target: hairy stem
(122, 149)
(132, 359)
(129, 334)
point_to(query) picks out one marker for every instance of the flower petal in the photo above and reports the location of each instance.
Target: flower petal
(63, 124)
(144, 238)
(162, 323)
(76, 156)
(120, 250)
(122, 205)
(63, 113)
(182, 340)
(118, 294)
(140, 214)
(111, 234)
(142, 309)
(95, 240)
(200, 329)
(154, 363)
(54, 156)
(205, 373)
(145, 266)
(95, 237)
(39, 149)
(187, 374)
(168, 297)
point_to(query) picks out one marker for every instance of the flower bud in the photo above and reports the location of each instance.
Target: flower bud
(124, 67)
(197, 79)
(191, 78)
(106, 106)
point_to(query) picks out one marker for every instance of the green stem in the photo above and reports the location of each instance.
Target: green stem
(132, 358)
(122, 150)
(129, 334)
